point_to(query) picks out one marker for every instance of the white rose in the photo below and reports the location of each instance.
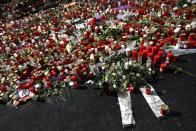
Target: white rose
(114, 86)
(124, 77)
(131, 30)
(138, 75)
(106, 79)
(130, 62)
(59, 67)
(37, 85)
(15, 55)
(125, 84)
(20, 67)
(71, 83)
(114, 74)
(92, 57)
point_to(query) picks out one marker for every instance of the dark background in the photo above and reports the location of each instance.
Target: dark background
(86, 110)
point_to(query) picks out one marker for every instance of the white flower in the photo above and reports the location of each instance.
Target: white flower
(61, 42)
(69, 48)
(131, 30)
(126, 65)
(106, 79)
(59, 67)
(138, 75)
(114, 86)
(114, 74)
(92, 57)
(71, 83)
(106, 47)
(125, 84)
(3, 79)
(15, 55)
(38, 85)
(130, 62)
(20, 67)
(124, 77)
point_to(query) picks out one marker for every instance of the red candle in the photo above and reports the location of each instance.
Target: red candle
(161, 43)
(156, 59)
(73, 78)
(134, 54)
(149, 48)
(163, 67)
(145, 53)
(150, 55)
(139, 54)
(154, 50)
(124, 38)
(158, 47)
(148, 91)
(131, 88)
(182, 37)
(174, 59)
(142, 47)
(169, 55)
(160, 53)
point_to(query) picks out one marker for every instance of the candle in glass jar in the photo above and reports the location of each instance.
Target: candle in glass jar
(156, 59)
(163, 67)
(145, 53)
(154, 50)
(160, 53)
(149, 49)
(164, 109)
(148, 90)
(150, 55)
(131, 88)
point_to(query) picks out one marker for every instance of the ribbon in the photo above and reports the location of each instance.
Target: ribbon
(181, 52)
(153, 100)
(124, 100)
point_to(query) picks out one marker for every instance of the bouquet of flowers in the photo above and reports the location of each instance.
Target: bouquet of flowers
(121, 73)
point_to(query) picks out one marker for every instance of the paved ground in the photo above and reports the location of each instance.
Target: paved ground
(88, 111)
